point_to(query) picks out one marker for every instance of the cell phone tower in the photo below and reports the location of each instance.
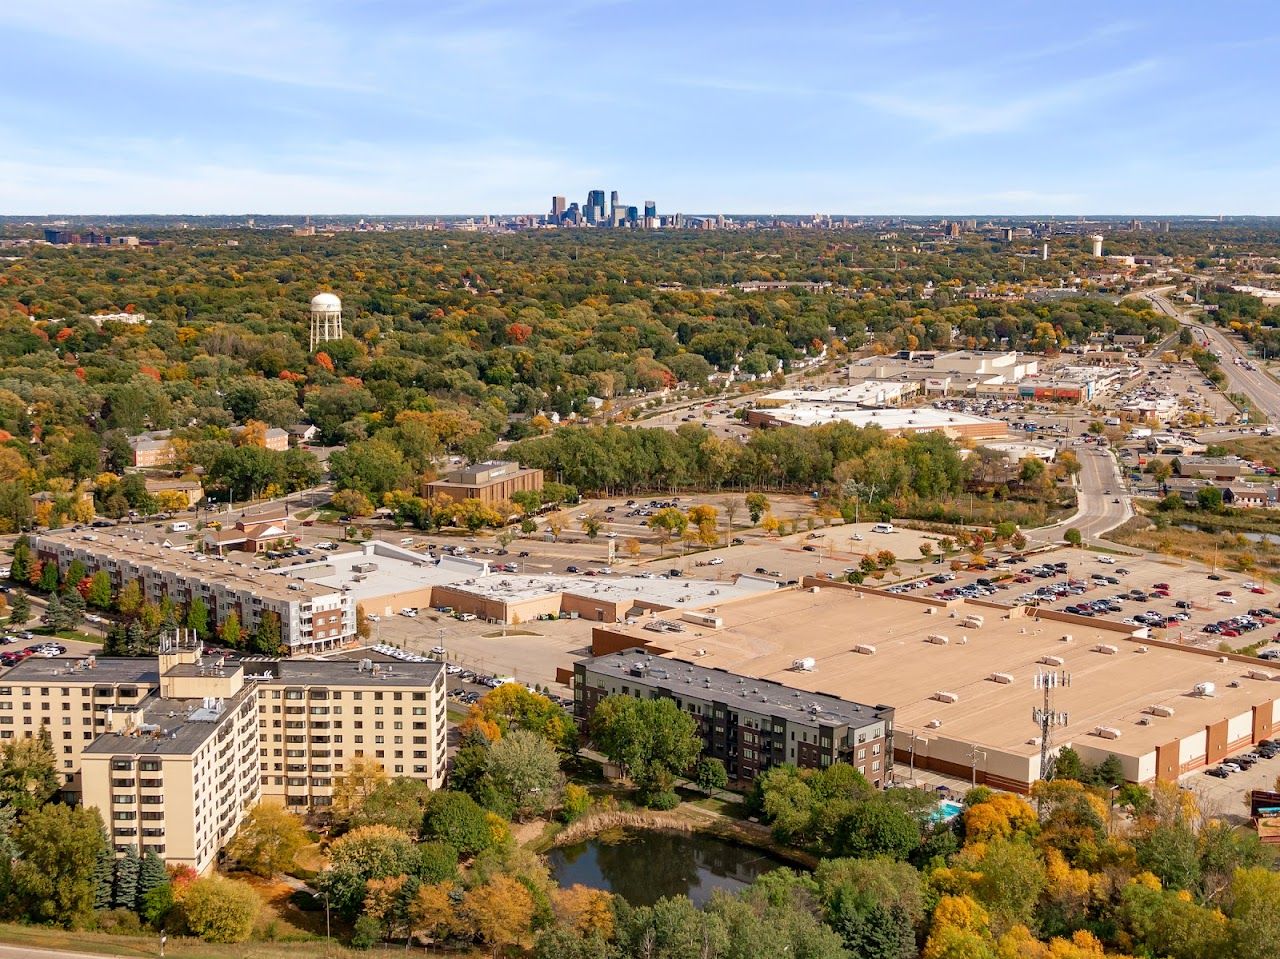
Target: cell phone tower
(1048, 718)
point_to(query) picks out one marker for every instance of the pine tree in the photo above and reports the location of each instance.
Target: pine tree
(73, 609)
(135, 639)
(104, 875)
(20, 568)
(128, 868)
(53, 612)
(20, 609)
(151, 875)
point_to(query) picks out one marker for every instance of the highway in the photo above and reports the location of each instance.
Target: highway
(1261, 389)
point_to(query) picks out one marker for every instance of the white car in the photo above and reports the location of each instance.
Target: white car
(438, 650)
(374, 618)
(1109, 560)
(1226, 599)
(715, 562)
(411, 613)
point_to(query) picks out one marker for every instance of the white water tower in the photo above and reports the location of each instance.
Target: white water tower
(326, 319)
(1097, 245)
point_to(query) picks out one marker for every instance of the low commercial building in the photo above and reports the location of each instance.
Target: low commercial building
(248, 535)
(384, 579)
(750, 725)
(493, 481)
(312, 617)
(897, 420)
(961, 679)
(189, 489)
(174, 750)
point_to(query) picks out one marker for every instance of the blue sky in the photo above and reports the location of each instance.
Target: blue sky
(447, 106)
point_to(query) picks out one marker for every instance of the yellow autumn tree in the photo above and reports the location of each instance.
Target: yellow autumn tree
(584, 910)
(998, 817)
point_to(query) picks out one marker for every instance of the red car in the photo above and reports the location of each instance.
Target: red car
(1224, 592)
(1233, 633)
(1258, 589)
(1160, 586)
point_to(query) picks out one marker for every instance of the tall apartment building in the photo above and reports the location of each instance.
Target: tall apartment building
(749, 724)
(173, 751)
(312, 617)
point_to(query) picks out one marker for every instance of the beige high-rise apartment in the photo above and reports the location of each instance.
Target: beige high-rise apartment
(173, 751)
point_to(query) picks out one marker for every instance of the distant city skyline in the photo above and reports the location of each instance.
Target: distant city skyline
(492, 106)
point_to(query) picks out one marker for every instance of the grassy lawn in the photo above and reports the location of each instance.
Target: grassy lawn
(68, 634)
(43, 937)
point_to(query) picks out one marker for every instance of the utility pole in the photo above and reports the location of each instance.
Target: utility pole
(1046, 717)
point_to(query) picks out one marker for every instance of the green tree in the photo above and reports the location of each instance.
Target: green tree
(220, 910)
(151, 876)
(19, 609)
(1255, 922)
(49, 577)
(369, 852)
(399, 803)
(757, 506)
(99, 596)
(197, 618)
(28, 772)
(652, 740)
(711, 775)
(53, 877)
(124, 892)
(457, 819)
(877, 826)
(524, 771)
(1073, 537)
(268, 840)
(1209, 498)
(76, 572)
(267, 638)
(20, 567)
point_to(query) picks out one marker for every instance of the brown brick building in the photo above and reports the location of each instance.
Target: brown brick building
(490, 482)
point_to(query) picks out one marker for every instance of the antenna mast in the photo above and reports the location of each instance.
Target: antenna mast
(1046, 717)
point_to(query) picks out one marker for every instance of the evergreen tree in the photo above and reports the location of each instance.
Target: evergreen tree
(151, 875)
(125, 893)
(135, 639)
(19, 609)
(877, 932)
(53, 612)
(116, 643)
(104, 875)
(20, 568)
(73, 609)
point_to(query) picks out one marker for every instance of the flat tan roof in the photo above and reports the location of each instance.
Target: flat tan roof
(764, 636)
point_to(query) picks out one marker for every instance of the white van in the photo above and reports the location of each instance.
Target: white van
(882, 528)
(181, 526)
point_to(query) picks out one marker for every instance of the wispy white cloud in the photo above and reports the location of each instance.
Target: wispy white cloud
(351, 177)
(951, 115)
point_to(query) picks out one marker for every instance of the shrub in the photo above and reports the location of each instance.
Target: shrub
(367, 933)
(220, 910)
(667, 799)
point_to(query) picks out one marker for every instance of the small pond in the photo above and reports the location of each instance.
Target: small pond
(644, 866)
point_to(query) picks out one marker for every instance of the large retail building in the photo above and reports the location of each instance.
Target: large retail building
(960, 679)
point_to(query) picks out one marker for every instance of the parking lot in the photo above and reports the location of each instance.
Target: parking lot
(1179, 601)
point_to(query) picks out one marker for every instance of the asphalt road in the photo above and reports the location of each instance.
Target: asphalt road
(1257, 385)
(1097, 512)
